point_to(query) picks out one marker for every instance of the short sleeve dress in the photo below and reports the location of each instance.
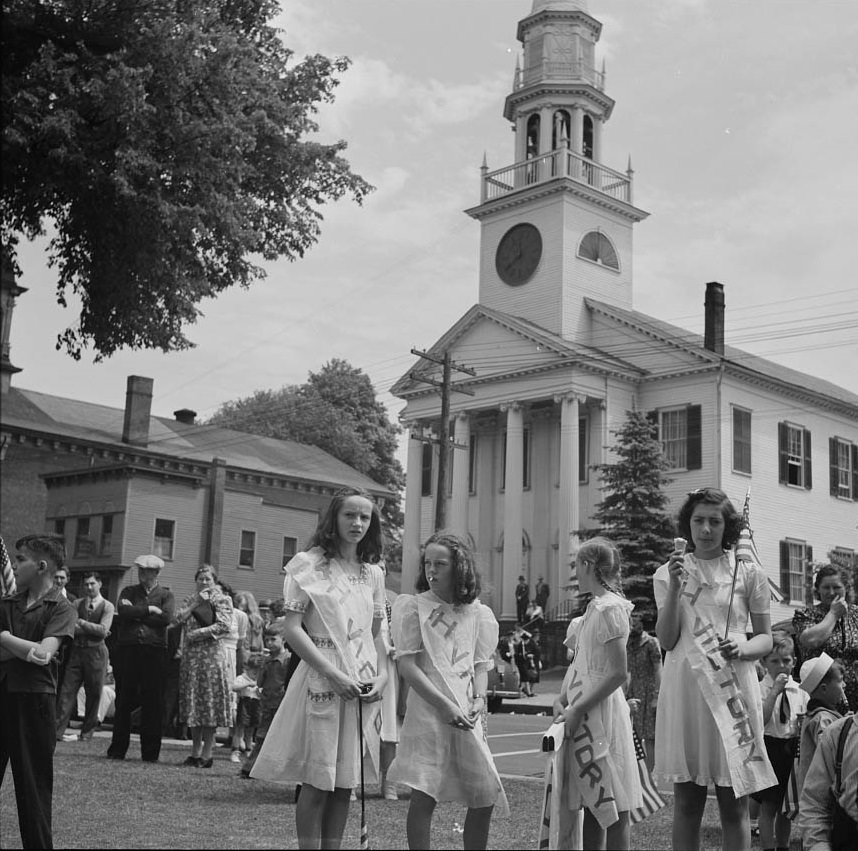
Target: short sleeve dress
(313, 737)
(688, 746)
(842, 646)
(607, 619)
(446, 763)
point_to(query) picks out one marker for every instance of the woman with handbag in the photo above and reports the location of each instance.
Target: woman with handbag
(204, 685)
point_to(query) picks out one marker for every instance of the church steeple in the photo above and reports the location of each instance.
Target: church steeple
(559, 99)
(557, 223)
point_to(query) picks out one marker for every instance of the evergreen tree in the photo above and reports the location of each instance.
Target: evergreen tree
(633, 511)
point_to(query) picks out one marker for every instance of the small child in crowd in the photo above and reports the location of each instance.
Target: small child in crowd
(783, 703)
(822, 679)
(272, 683)
(247, 715)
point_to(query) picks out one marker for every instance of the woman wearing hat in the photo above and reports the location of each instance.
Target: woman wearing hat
(831, 626)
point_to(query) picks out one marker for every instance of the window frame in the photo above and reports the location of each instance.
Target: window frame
(679, 440)
(840, 447)
(598, 261)
(583, 450)
(473, 449)
(106, 533)
(286, 559)
(84, 546)
(242, 549)
(739, 442)
(155, 538)
(428, 452)
(795, 471)
(794, 550)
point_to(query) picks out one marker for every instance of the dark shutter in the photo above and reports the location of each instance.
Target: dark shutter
(854, 472)
(785, 569)
(652, 416)
(693, 439)
(808, 481)
(832, 466)
(808, 574)
(783, 472)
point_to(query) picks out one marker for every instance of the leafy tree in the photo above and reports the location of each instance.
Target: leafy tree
(336, 410)
(633, 511)
(167, 142)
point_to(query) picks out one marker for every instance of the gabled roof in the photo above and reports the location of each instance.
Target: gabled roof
(558, 351)
(737, 359)
(56, 417)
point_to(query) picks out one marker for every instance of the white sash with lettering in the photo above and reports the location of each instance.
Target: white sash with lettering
(449, 637)
(588, 766)
(343, 609)
(750, 769)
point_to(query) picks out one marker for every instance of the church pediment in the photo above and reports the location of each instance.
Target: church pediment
(500, 347)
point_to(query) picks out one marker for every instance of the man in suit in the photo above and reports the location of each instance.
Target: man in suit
(144, 612)
(87, 663)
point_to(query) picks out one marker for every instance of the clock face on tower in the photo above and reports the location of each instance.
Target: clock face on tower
(518, 254)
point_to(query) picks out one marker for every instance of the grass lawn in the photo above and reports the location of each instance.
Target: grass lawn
(101, 803)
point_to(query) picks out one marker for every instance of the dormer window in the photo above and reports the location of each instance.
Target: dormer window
(597, 248)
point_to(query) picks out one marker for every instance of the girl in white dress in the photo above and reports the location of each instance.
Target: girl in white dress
(444, 639)
(336, 590)
(709, 703)
(594, 709)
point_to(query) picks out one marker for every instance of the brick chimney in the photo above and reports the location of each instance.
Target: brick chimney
(713, 337)
(186, 416)
(138, 405)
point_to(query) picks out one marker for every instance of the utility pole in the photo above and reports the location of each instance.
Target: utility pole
(444, 444)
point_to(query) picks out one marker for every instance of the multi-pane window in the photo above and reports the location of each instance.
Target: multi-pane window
(165, 537)
(247, 550)
(60, 526)
(82, 541)
(844, 468)
(794, 467)
(583, 450)
(106, 533)
(290, 547)
(741, 440)
(795, 564)
(674, 436)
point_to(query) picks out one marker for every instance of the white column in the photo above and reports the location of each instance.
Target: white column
(569, 501)
(412, 532)
(606, 436)
(577, 131)
(512, 507)
(457, 519)
(546, 126)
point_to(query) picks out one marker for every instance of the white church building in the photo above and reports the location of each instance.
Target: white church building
(560, 355)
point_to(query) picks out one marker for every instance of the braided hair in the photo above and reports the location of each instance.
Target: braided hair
(466, 587)
(607, 565)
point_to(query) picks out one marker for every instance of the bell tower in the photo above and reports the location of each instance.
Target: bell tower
(556, 225)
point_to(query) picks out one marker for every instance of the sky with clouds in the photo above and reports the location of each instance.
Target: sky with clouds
(740, 119)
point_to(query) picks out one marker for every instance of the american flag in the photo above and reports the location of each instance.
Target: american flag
(746, 549)
(7, 576)
(652, 801)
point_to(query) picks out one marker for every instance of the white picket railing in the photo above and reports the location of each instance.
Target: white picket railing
(558, 163)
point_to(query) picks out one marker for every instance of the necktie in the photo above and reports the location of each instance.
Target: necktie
(784, 708)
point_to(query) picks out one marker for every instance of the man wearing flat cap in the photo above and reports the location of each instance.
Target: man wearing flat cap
(144, 612)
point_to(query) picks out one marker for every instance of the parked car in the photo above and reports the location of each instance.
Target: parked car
(503, 683)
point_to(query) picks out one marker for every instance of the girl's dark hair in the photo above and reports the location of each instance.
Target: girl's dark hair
(371, 546)
(710, 496)
(207, 568)
(842, 573)
(466, 587)
(226, 588)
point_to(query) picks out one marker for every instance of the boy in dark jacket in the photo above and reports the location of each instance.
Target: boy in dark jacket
(35, 624)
